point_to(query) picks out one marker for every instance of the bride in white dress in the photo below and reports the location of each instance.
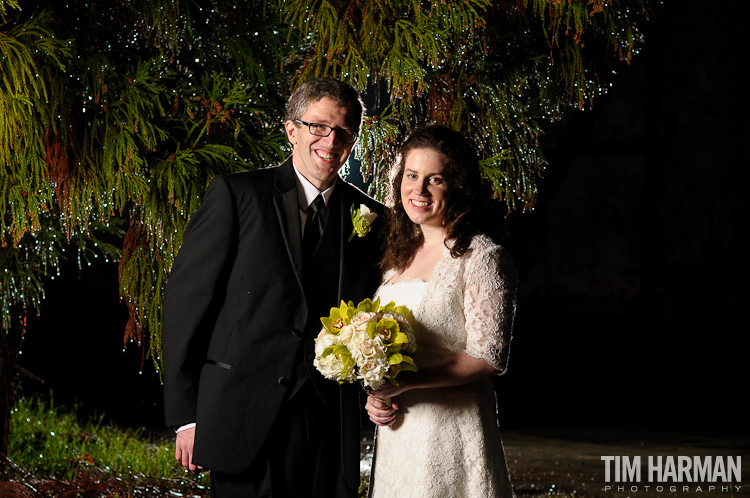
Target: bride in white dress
(439, 436)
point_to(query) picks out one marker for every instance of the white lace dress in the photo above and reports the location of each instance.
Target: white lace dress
(445, 442)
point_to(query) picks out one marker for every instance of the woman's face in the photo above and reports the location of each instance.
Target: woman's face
(425, 191)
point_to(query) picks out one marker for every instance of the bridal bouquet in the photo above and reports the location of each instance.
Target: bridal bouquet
(369, 343)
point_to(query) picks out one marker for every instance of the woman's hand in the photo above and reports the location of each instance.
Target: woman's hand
(381, 413)
(388, 390)
(377, 407)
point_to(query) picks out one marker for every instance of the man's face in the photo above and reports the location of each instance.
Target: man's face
(319, 158)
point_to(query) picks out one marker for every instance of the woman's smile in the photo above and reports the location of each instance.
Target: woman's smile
(425, 191)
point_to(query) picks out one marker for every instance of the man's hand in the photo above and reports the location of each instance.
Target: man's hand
(379, 412)
(184, 449)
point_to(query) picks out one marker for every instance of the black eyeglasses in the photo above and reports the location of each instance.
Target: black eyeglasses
(321, 130)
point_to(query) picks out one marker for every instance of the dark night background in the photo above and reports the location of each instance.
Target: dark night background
(632, 277)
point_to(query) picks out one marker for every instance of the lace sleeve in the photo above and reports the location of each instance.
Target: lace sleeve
(490, 304)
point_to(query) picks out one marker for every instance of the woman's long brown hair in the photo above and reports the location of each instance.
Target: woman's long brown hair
(461, 171)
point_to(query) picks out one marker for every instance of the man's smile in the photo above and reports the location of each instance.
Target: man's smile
(326, 156)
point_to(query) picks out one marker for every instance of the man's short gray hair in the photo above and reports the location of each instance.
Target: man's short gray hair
(315, 89)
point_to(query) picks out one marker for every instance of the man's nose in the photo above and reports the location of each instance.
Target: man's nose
(331, 138)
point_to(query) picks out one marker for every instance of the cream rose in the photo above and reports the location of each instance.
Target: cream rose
(347, 331)
(362, 318)
(363, 347)
(372, 372)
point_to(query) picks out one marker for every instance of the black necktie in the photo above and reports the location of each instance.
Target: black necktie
(313, 226)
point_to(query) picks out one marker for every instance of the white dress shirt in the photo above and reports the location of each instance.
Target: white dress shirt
(306, 194)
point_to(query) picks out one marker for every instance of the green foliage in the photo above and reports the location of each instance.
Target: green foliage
(4, 4)
(53, 443)
(494, 70)
(100, 124)
(127, 110)
(26, 110)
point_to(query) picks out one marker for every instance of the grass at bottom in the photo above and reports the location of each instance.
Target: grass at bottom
(52, 453)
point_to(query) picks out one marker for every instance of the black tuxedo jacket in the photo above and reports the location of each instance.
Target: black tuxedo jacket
(236, 316)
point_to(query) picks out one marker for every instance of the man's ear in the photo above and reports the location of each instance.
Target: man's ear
(291, 132)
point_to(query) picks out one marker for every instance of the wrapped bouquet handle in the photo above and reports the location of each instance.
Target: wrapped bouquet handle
(383, 399)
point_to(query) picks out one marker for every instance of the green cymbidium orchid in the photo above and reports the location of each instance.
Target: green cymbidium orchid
(369, 306)
(399, 362)
(339, 317)
(407, 363)
(387, 328)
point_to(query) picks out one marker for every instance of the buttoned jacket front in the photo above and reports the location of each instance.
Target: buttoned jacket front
(236, 312)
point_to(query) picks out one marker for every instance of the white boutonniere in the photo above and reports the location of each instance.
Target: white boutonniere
(362, 219)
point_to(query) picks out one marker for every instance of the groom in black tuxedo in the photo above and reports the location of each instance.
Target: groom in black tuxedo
(263, 258)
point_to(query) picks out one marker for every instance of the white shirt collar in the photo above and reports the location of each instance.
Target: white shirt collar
(307, 192)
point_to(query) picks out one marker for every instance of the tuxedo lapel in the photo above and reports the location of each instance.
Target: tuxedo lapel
(342, 240)
(351, 264)
(359, 274)
(287, 210)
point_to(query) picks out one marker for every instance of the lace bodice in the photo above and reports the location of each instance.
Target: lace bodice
(468, 305)
(445, 442)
